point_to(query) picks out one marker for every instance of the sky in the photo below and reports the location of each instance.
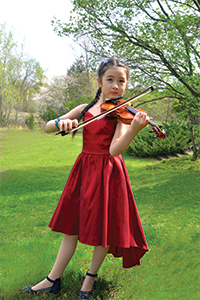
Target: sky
(30, 22)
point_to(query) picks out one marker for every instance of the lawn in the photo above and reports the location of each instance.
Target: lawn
(34, 169)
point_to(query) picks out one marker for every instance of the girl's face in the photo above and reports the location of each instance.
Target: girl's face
(113, 82)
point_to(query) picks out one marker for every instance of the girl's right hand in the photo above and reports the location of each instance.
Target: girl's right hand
(67, 124)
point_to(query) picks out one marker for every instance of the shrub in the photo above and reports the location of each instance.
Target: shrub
(176, 141)
(29, 121)
(50, 113)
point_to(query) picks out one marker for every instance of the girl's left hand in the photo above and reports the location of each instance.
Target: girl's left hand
(140, 121)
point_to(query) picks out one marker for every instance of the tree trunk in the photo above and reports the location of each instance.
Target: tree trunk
(7, 118)
(16, 115)
(1, 110)
(88, 73)
(195, 150)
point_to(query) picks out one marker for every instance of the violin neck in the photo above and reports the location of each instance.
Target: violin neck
(134, 111)
(152, 123)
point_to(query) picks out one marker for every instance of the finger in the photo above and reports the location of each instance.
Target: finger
(60, 125)
(66, 126)
(138, 114)
(75, 122)
(70, 125)
(144, 115)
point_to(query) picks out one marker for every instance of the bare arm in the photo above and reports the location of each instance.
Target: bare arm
(124, 134)
(70, 119)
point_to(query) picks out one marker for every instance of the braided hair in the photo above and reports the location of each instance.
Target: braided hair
(94, 101)
(103, 67)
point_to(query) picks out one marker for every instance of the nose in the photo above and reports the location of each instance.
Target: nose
(115, 86)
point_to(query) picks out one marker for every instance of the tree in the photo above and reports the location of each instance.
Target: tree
(62, 93)
(51, 97)
(20, 76)
(158, 39)
(81, 83)
(7, 89)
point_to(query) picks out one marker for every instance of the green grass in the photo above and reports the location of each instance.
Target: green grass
(35, 166)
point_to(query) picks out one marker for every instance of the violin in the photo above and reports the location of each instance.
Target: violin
(127, 113)
(124, 112)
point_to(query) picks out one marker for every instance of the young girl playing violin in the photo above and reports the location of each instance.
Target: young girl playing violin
(97, 205)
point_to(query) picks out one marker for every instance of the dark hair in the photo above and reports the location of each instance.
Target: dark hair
(111, 62)
(103, 67)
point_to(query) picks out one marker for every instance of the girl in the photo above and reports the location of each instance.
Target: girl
(97, 205)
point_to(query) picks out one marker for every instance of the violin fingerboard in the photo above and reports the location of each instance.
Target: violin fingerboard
(131, 109)
(134, 111)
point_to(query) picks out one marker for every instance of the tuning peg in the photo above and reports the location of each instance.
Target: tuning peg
(160, 126)
(151, 131)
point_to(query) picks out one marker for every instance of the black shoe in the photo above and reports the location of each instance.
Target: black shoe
(87, 295)
(55, 288)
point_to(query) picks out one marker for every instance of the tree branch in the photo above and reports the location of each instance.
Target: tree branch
(155, 99)
(162, 9)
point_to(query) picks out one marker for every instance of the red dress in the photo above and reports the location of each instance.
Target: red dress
(97, 203)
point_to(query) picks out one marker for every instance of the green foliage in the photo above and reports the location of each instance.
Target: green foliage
(77, 101)
(51, 113)
(81, 82)
(29, 121)
(157, 39)
(160, 44)
(187, 106)
(176, 141)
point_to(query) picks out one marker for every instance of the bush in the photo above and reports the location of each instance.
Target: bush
(51, 113)
(29, 121)
(176, 141)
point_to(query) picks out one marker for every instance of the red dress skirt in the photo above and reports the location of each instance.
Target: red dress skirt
(97, 203)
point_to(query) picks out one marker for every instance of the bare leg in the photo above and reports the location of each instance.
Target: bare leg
(98, 258)
(66, 251)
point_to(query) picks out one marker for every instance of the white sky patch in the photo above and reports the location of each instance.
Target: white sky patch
(31, 23)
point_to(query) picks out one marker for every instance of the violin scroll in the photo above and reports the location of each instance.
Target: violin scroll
(159, 133)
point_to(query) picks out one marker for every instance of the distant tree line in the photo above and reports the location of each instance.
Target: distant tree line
(20, 77)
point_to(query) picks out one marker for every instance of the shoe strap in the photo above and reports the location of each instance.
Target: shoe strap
(50, 280)
(91, 275)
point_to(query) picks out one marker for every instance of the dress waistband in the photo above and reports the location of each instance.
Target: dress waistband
(100, 154)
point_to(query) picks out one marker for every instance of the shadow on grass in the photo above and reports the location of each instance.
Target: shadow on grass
(70, 286)
(72, 282)
(30, 177)
(32, 188)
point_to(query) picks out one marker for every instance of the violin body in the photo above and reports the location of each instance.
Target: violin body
(122, 113)
(126, 114)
